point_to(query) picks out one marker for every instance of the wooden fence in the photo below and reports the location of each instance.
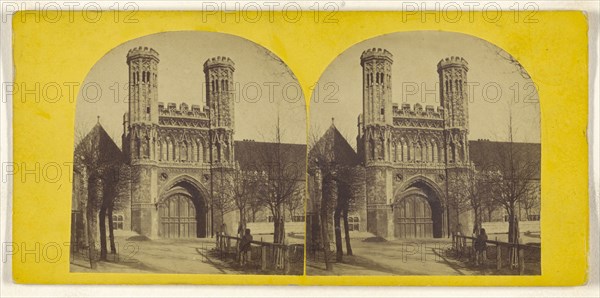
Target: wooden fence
(524, 255)
(265, 256)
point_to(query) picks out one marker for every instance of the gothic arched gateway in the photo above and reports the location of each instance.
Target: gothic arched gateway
(183, 212)
(418, 212)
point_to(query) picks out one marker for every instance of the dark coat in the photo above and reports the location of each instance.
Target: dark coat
(480, 242)
(245, 243)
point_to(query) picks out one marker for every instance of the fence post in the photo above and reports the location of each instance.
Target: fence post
(263, 257)
(454, 242)
(498, 256)
(286, 264)
(521, 259)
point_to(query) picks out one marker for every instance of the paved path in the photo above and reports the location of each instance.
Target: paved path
(161, 256)
(396, 257)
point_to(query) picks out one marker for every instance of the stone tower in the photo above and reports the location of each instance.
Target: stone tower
(374, 146)
(140, 137)
(143, 85)
(218, 73)
(454, 100)
(377, 103)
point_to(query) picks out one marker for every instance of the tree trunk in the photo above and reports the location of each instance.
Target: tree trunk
(242, 224)
(324, 216)
(513, 237)
(476, 221)
(102, 223)
(111, 229)
(338, 235)
(278, 225)
(89, 222)
(347, 233)
(325, 239)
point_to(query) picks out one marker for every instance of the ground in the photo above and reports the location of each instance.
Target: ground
(140, 255)
(407, 257)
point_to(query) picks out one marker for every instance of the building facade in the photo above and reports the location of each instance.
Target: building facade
(179, 156)
(407, 158)
(409, 151)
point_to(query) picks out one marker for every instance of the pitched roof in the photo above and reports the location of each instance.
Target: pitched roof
(484, 153)
(98, 139)
(251, 155)
(336, 147)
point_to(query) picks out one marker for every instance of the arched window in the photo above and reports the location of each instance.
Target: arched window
(198, 152)
(372, 148)
(435, 152)
(170, 154)
(429, 152)
(404, 151)
(163, 150)
(183, 152)
(138, 147)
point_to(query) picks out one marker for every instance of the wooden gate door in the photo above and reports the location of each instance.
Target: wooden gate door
(413, 218)
(178, 217)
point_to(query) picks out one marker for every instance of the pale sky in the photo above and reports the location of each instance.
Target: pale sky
(261, 76)
(416, 55)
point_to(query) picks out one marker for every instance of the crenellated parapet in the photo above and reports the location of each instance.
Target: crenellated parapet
(375, 53)
(183, 110)
(453, 61)
(418, 117)
(142, 52)
(417, 111)
(219, 61)
(183, 116)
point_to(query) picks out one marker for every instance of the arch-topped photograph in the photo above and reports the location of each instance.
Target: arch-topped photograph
(179, 142)
(427, 136)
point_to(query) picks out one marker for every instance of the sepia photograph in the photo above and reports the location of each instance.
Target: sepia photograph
(189, 157)
(424, 159)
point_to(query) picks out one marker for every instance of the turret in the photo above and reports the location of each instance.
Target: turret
(377, 86)
(143, 85)
(218, 72)
(454, 100)
(453, 91)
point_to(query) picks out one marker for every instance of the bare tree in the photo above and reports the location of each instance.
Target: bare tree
(322, 168)
(353, 181)
(283, 177)
(336, 168)
(530, 202)
(97, 157)
(295, 203)
(223, 191)
(470, 189)
(244, 189)
(514, 182)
